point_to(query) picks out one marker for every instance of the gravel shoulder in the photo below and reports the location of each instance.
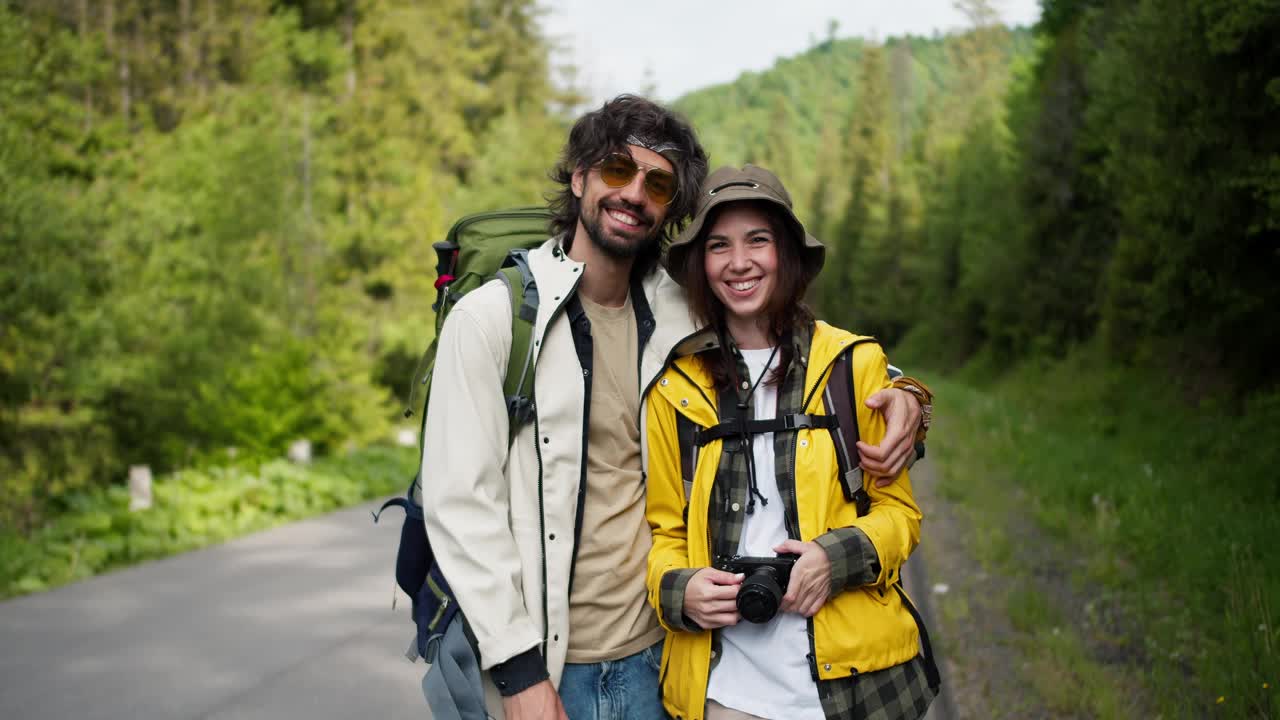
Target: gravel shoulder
(1021, 635)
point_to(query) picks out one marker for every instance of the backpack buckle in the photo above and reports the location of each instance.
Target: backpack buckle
(520, 409)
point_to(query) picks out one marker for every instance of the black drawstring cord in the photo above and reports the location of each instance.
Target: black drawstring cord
(753, 489)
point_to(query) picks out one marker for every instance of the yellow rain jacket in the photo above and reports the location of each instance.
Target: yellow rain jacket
(858, 630)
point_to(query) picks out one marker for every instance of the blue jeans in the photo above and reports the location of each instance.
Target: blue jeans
(625, 689)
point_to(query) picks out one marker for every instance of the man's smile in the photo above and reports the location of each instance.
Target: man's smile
(622, 216)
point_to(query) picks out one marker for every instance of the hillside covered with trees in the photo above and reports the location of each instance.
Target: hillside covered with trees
(216, 219)
(1114, 177)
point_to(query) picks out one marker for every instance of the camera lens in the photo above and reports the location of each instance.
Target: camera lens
(760, 595)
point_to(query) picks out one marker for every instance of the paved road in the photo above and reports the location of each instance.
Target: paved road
(294, 622)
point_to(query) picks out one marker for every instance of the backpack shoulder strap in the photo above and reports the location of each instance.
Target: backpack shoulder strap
(686, 430)
(841, 402)
(515, 274)
(690, 437)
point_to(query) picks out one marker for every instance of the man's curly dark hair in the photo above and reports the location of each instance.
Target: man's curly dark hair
(607, 130)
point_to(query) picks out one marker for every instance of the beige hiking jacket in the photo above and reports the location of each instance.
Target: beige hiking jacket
(502, 524)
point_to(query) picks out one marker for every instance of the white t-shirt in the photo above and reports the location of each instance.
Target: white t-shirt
(763, 669)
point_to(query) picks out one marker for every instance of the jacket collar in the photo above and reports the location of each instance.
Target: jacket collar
(557, 276)
(658, 301)
(815, 352)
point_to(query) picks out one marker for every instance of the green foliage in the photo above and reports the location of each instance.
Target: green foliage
(1191, 153)
(1158, 498)
(52, 278)
(191, 509)
(215, 219)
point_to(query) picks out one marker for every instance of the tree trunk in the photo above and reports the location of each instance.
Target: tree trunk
(83, 32)
(186, 50)
(125, 72)
(311, 250)
(306, 161)
(349, 41)
(208, 49)
(109, 30)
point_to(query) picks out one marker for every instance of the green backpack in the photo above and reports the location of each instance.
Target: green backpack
(478, 248)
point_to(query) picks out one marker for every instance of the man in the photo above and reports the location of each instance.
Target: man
(542, 534)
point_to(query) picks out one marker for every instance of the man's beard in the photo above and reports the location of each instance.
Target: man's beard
(615, 247)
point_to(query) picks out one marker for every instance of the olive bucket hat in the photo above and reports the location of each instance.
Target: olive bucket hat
(730, 184)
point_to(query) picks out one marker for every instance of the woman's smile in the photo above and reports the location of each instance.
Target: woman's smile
(741, 263)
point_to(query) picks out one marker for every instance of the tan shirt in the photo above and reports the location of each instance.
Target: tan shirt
(609, 617)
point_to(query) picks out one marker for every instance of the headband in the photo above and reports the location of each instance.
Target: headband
(654, 145)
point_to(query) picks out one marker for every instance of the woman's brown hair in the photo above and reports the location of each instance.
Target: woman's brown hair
(785, 308)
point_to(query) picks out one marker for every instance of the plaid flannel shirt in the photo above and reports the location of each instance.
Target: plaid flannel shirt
(899, 692)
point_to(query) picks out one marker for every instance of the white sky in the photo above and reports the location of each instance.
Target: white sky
(682, 45)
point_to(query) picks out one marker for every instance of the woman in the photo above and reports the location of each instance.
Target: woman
(844, 642)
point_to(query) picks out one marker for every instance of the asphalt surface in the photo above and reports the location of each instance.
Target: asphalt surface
(291, 623)
(294, 622)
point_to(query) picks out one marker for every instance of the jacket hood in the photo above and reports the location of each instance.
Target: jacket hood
(688, 375)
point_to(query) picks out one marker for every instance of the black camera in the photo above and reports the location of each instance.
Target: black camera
(764, 585)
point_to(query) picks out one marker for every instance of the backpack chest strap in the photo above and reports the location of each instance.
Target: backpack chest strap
(737, 427)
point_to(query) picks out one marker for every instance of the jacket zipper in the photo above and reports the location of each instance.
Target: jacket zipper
(537, 447)
(794, 530)
(542, 533)
(588, 378)
(795, 534)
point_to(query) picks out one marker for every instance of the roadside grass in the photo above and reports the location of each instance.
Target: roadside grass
(191, 509)
(1166, 514)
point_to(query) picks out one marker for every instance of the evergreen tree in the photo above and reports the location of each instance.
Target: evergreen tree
(861, 256)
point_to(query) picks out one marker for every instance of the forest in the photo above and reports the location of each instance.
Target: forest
(216, 215)
(216, 218)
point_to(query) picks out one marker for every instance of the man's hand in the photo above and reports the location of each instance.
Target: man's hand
(537, 702)
(710, 598)
(901, 412)
(810, 583)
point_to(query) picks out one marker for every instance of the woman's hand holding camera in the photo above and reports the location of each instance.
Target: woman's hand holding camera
(810, 584)
(710, 598)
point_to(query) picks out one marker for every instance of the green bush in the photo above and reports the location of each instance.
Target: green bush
(1167, 495)
(192, 509)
